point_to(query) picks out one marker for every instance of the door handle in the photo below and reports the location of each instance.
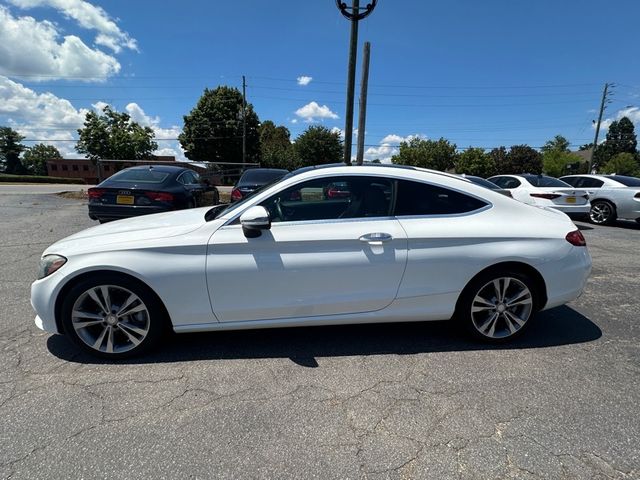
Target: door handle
(376, 238)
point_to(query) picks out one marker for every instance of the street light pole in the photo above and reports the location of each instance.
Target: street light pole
(353, 14)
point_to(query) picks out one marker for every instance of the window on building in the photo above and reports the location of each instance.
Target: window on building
(54, 168)
(74, 168)
(85, 168)
(65, 167)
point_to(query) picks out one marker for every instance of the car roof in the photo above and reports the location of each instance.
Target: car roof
(351, 168)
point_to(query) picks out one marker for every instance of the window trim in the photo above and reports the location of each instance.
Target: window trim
(234, 220)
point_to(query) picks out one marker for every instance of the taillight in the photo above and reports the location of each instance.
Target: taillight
(332, 193)
(576, 238)
(548, 196)
(160, 196)
(236, 194)
(95, 192)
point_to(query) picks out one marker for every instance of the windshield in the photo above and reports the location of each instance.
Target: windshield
(544, 181)
(140, 175)
(260, 176)
(627, 181)
(217, 211)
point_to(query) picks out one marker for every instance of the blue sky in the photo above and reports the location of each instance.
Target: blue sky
(482, 73)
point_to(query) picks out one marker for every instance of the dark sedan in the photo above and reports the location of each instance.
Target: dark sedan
(146, 189)
(254, 179)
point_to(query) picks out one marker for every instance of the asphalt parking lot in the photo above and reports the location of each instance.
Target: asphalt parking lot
(383, 401)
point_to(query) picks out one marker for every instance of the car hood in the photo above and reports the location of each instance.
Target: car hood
(147, 227)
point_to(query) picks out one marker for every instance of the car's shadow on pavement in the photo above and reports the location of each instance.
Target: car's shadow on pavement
(558, 326)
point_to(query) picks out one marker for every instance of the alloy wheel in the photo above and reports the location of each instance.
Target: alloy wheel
(501, 307)
(600, 212)
(110, 319)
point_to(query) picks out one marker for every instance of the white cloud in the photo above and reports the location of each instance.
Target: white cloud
(388, 147)
(88, 16)
(165, 147)
(294, 120)
(31, 47)
(632, 113)
(304, 80)
(339, 131)
(312, 112)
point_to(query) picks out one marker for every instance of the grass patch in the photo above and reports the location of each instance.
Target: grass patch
(6, 177)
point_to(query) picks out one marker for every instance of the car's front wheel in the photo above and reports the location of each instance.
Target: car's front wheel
(497, 306)
(112, 316)
(602, 213)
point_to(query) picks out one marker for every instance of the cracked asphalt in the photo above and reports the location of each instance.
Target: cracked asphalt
(382, 401)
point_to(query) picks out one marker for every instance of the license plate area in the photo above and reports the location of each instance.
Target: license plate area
(571, 199)
(124, 199)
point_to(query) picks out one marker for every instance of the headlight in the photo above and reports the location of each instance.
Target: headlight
(49, 264)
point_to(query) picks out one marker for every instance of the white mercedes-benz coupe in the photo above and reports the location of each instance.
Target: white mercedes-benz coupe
(398, 244)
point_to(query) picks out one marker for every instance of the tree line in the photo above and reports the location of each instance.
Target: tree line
(213, 132)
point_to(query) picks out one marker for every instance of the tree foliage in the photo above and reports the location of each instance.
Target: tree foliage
(35, 158)
(113, 135)
(10, 150)
(522, 159)
(318, 145)
(557, 144)
(556, 162)
(623, 163)
(621, 138)
(276, 149)
(475, 161)
(419, 152)
(213, 129)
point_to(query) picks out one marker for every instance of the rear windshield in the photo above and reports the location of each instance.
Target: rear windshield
(142, 175)
(543, 181)
(483, 183)
(260, 177)
(628, 181)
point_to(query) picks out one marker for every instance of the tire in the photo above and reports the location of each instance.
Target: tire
(602, 213)
(484, 313)
(113, 335)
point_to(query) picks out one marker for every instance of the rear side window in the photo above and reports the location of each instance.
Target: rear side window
(506, 182)
(583, 182)
(140, 176)
(415, 198)
(627, 181)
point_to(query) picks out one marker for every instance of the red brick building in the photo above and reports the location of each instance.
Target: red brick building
(88, 171)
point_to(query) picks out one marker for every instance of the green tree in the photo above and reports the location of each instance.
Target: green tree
(555, 162)
(621, 138)
(623, 163)
(557, 144)
(318, 145)
(10, 150)
(475, 161)
(499, 157)
(35, 158)
(276, 149)
(522, 159)
(213, 129)
(113, 135)
(419, 152)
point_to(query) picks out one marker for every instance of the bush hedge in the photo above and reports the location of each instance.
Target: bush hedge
(5, 177)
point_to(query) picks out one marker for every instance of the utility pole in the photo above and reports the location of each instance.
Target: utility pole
(605, 92)
(354, 16)
(244, 120)
(362, 108)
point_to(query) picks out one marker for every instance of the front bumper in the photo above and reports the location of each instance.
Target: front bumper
(43, 293)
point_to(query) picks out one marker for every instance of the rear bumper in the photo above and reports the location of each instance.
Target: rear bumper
(566, 277)
(572, 208)
(114, 212)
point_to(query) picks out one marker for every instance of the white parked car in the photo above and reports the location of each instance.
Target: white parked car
(612, 196)
(544, 191)
(402, 244)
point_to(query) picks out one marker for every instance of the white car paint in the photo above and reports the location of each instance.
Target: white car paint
(210, 276)
(625, 199)
(527, 193)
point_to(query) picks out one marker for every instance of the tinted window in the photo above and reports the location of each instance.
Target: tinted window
(628, 181)
(482, 182)
(142, 175)
(187, 178)
(573, 181)
(506, 182)
(414, 198)
(544, 181)
(260, 176)
(358, 197)
(587, 182)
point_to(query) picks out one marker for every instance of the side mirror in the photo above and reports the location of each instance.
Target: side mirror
(253, 220)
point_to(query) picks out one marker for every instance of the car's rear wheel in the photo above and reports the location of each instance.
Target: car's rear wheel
(113, 316)
(497, 306)
(602, 213)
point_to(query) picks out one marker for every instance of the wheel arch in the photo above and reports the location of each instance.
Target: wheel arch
(519, 267)
(70, 283)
